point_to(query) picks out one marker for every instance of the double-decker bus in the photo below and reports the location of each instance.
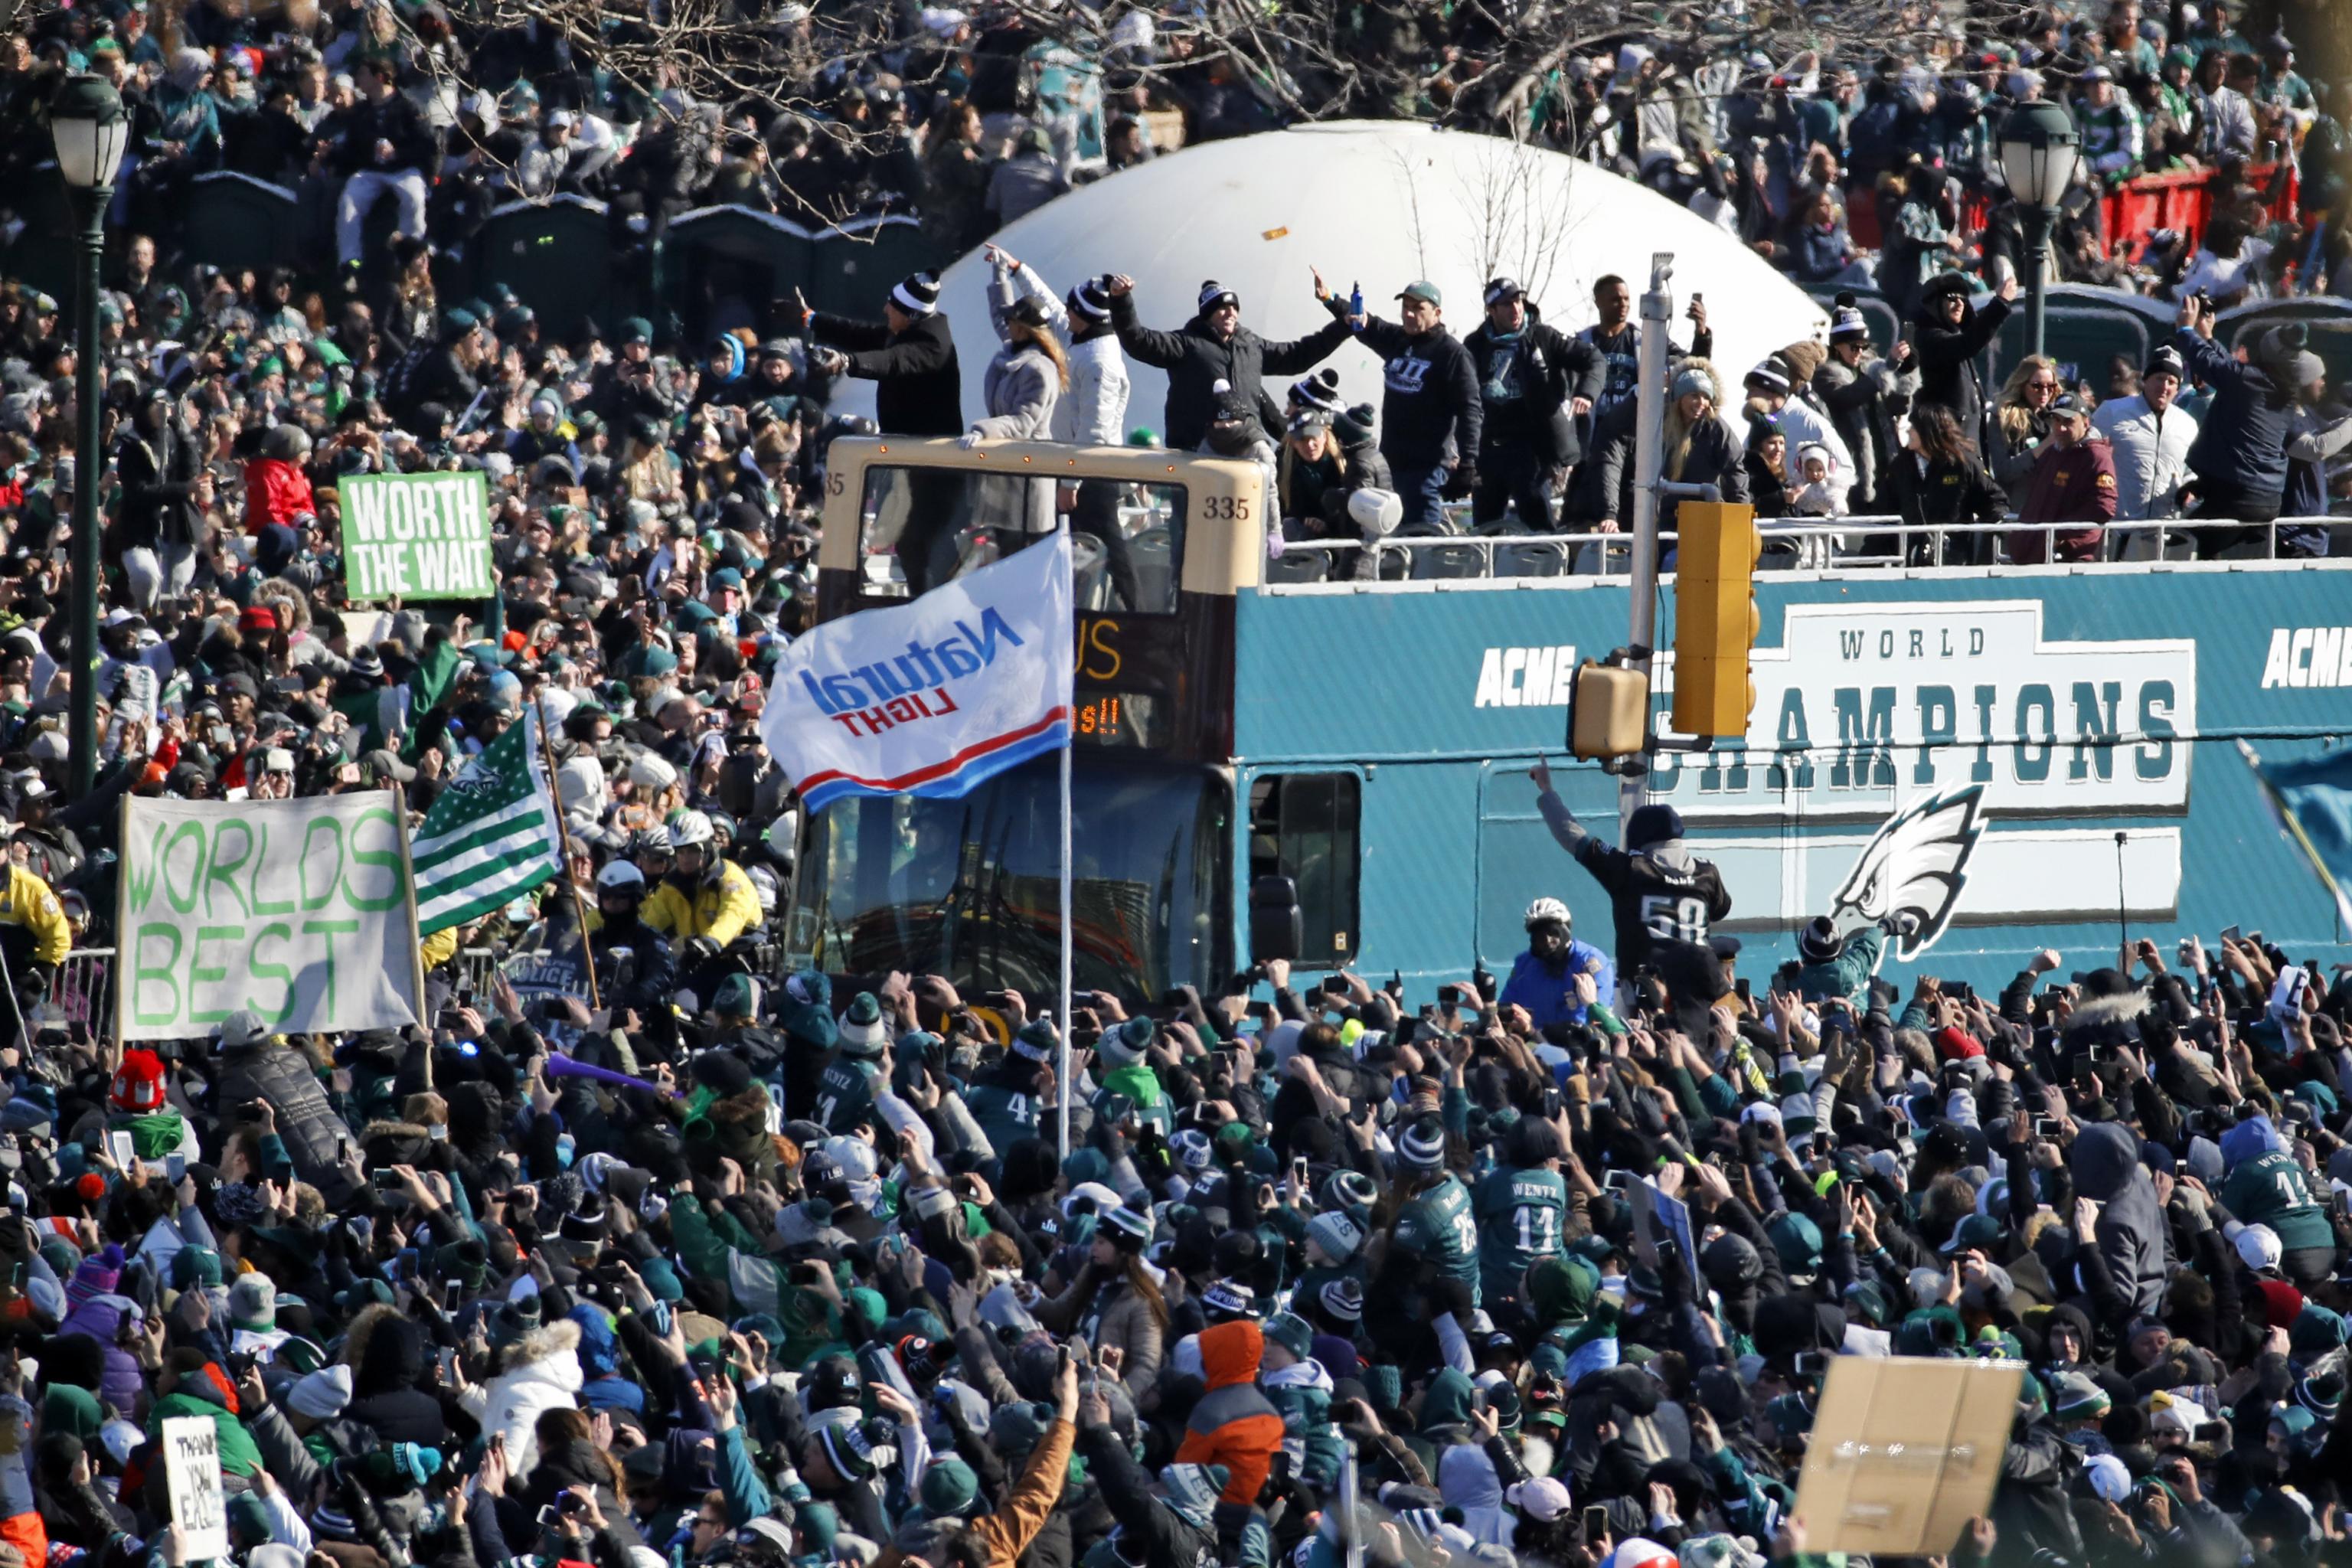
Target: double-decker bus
(1371, 740)
(968, 887)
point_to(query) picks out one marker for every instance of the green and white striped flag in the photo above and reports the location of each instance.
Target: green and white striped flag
(491, 837)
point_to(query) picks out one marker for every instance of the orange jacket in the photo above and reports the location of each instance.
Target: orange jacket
(1234, 1424)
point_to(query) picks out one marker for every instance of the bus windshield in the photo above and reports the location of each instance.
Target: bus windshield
(969, 889)
(1128, 539)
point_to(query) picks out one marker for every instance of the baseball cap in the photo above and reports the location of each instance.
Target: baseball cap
(1423, 290)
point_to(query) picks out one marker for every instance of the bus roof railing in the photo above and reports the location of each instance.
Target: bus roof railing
(1820, 544)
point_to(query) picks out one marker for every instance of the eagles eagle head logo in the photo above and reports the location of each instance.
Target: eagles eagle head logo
(1917, 863)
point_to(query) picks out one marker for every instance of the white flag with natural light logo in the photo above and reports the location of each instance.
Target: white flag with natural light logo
(931, 697)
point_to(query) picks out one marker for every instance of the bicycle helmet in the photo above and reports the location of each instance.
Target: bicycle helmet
(1544, 911)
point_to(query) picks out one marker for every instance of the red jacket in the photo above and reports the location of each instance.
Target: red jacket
(275, 492)
(2073, 484)
(1234, 1424)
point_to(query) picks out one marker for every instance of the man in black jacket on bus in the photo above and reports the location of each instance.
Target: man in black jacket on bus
(1214, 347)
(1430, 413)
(910, 357)
(1536, 382)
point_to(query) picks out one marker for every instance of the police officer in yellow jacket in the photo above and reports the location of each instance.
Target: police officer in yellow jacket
(704, 903)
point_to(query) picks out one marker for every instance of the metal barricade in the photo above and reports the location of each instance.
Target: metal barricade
(82, 990)
(475, 968)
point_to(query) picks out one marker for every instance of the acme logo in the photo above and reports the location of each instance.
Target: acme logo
(872, 698)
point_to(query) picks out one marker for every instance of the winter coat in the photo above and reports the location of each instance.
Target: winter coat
(2073, 484)
(306, 1122)
(2132, 1235)
(1431, 409)
(2151, 455)
(1717, 456)
(2311, 442)
(1234, 1424)
(1151, 1532)
(275, 492)
(1196, 359)
(101, 1316)
(538, 1373)
(158, 470)
(918, 390)
(2243, 443)
(1021, 385)
(1105, 1309)
(392, 119)
(389, 1357)
(1092, 410)
(1548, 368)
(574, 1464)
(1848, 976)
(1863, 401)
(1301, 1394)
(1548, 991)
(1948, 360)
(1939, 492)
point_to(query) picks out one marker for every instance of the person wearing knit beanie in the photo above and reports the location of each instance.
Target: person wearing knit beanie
(320, 1396)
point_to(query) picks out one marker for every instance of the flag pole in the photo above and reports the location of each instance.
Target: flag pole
(1069, 744)
(415, 936)
(563, 846)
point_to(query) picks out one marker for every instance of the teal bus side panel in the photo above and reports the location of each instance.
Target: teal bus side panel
(2084, 704)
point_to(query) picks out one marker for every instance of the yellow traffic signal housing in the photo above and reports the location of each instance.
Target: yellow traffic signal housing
(1608, 707)
(1715, 619)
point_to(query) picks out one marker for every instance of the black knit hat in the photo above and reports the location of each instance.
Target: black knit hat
(918, 293)
(1090, 300)
(1819, 942)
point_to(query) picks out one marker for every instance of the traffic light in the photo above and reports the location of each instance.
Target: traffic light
(1608, 710)
(1716, 620)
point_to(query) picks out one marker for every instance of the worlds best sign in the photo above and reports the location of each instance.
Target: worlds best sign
(299, 910)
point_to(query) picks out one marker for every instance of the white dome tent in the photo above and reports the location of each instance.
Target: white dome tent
(1381, 204)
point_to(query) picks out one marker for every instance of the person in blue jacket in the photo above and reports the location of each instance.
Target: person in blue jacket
(1543, 980)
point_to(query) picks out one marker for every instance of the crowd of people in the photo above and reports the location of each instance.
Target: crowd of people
(971, 119)
(735, 1266)
(734, 1274)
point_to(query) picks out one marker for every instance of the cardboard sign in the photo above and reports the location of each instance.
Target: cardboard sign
(297, 910)
(192, 1468)
(417, 536)
(1905, 1452)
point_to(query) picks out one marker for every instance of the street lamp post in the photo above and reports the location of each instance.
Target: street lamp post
(2039, 150)
(89, 131)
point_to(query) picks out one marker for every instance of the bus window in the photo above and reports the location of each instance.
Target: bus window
(1304, 827)
(1128, 550)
